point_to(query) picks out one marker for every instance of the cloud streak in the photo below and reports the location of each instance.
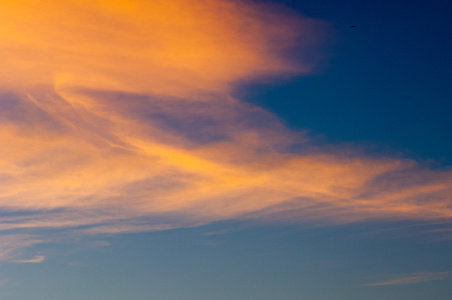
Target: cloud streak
(11, 244)
(38, 259)
(120, 119)
(411, 278)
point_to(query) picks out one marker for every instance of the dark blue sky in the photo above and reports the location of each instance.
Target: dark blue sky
(387, 82)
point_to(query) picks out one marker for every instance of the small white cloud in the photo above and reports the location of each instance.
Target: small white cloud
(411, 278)
(37, 259)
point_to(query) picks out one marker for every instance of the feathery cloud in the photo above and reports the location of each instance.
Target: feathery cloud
(37, 259)
(411, 278)
(120, 119)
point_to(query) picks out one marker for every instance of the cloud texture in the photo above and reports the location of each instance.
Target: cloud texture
(119, 118)
(411, 278)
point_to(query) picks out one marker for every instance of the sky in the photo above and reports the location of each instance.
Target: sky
(225, 149)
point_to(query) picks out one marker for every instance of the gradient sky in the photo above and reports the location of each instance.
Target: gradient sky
(220, 149)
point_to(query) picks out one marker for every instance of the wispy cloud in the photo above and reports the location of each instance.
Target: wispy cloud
(121, 119)
(411, 278)
(37, 259)
(161, 47)
(10, 244)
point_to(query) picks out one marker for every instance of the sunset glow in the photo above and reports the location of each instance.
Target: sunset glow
(124, 117)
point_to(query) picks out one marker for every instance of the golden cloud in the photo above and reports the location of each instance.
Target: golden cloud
(161, 47)
(118, 117)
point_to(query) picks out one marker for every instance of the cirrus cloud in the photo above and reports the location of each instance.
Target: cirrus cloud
(120, 119)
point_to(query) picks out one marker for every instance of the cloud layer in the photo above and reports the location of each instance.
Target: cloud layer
(119, 118)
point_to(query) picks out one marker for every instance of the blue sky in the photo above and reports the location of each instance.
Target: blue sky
(225, 150)
(386, 81)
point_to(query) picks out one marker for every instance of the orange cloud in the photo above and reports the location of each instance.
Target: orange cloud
(162, 47)
(119, 118)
